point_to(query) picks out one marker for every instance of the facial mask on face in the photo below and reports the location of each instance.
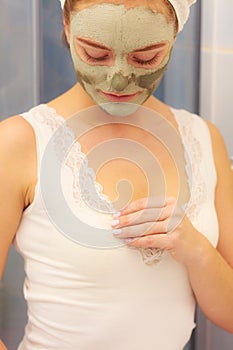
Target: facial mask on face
(117, 79)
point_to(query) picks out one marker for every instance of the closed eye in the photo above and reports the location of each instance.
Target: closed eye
(146, 59)
(149, 57)
(93, 54)
(96, 52)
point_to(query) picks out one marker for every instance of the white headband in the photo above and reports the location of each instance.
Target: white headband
(62, 3)
(181, 7)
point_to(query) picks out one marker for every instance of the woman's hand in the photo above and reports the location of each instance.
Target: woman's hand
(155, 223)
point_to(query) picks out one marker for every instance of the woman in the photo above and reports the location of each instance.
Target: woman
(134, 287)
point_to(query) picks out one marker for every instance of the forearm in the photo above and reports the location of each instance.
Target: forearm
(212, 282)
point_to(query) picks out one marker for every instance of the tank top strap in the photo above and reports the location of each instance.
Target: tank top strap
(44, 121)
(200, 165)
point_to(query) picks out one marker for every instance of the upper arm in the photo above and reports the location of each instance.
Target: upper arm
(14, 160)
(223, 195)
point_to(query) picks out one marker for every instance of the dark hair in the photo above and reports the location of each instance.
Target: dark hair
(71, 6)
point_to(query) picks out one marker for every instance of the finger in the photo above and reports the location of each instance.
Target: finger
(147, 202)
(159, 241)
(143, 216)
(175, 219)
(141, 230)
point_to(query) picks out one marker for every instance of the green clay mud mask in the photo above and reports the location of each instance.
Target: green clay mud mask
(120, 54)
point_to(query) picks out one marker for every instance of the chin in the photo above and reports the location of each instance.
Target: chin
(119, 109)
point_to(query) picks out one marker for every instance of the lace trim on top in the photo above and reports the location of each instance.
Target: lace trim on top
(86, 190)
(91, 192)
(193, 157)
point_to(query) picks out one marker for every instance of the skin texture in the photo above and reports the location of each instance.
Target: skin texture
(135, 57)
(2, 346)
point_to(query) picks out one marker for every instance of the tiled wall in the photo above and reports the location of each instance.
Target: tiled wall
(18, 56)
(216, 85)
(181, 82)
(216, 104)
(57, 72)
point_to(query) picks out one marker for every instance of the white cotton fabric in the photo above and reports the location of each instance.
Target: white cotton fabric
(85, 298)
(62, 3)
(181, 7)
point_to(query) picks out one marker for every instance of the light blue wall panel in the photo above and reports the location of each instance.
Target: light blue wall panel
(17, 56)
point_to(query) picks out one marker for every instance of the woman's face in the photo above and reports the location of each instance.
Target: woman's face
(120, 54)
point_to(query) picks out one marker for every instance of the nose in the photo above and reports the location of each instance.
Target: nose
(119, 82)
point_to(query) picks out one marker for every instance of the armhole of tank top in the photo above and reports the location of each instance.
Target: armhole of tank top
(211, 168)
(205, 140)
(38, 159)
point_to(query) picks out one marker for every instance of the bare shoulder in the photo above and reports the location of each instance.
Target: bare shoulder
(220, 154)
(223, 194)
(18, 153)
(17, 166)
(15, 132)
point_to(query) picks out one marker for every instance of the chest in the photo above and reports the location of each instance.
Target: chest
(131, 164)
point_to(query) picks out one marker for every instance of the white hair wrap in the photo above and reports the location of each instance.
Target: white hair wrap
(181, 7)
(62, 3)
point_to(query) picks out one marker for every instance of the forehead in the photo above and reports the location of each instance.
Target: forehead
(162, 5)
(114, 25)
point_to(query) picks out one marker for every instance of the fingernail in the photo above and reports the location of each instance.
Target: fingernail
(117, 214)
(117, 232)
(115, 222)
(128, 240)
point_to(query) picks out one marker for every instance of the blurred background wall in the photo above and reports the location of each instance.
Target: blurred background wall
(216, 105)
(34, 68)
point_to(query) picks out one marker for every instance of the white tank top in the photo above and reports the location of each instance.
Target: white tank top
(85, 298)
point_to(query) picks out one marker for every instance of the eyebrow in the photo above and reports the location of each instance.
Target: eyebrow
(100, 46)
(151, 47)
(93, 43)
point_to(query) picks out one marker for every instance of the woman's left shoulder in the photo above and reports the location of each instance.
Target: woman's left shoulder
(223, 193)
(217, 140)
(213, 129)
(219, 147)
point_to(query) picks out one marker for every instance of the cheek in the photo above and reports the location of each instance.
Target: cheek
(87, 73)
(149, 81)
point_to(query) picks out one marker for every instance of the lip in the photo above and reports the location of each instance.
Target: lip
(114, 97)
